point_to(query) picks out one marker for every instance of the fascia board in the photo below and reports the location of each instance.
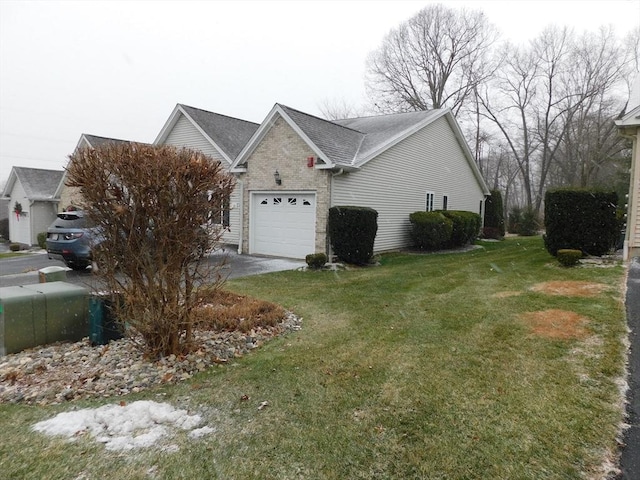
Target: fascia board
(168, 125)
(264, 128)
(631, 119)
(467, 152)
(401, 136)
(10, 183)
(175, 116)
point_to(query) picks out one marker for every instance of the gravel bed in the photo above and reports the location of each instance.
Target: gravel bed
(65, 372)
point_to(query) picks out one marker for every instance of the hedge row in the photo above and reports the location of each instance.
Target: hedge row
(444, 228)
(582, 220)
(352, 231)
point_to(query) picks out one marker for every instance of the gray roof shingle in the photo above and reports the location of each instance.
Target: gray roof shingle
(38, 183)
(96, 141)
(230, 134)
(348, 141)
(380, 130)
(339, 143)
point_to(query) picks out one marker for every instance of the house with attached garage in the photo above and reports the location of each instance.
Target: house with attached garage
(219, 136)
(69, 197)
(296, 166)
(32, 202)
(629, 127)
(293, 167)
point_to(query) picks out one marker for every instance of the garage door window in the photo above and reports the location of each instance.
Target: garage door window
(283, 224)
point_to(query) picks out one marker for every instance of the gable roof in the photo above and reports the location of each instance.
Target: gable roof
(94, 141)
(38, 184)
(347, 143)
(228, 135)
(352, 142)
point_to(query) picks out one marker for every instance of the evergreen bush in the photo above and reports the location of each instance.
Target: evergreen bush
(42, 239)
(352, 232)
(581, 219)
(316, 261)
(494, 215)
(568, 257)
(430, 230)
(466, 226)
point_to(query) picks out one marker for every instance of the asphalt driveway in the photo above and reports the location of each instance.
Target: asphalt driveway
(23, 269)
(630, 461)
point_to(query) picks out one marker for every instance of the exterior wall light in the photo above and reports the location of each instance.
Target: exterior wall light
(276, 176)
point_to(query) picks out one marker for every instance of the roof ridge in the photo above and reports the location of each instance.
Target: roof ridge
(390, 114)
(321, 119)
(36, 168)
(107, 138)
(219, 114)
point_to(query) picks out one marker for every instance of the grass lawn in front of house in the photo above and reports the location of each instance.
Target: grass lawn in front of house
(495, 363)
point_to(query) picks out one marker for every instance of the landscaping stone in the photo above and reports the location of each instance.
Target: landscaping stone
(64, 372)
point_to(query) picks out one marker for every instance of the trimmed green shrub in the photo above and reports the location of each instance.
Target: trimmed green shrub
(568, 257)
(466, 226)
(529, 224)
(14, 247)
(494, 215)
(514, 219)
(352, 231)
(430, 230)
(491, 232)
(316, 261)
(42, 239)
(580, 219)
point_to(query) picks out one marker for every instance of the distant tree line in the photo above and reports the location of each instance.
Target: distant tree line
(536, 115)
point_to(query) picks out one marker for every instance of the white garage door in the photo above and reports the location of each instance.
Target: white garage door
(283, 224)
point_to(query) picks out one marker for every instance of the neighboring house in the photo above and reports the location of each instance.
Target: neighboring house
(219, 136)
(629, 126)
(70, 196)
(32, 190)
(296, 166)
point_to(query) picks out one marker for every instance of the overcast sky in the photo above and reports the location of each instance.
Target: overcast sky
(117, 69)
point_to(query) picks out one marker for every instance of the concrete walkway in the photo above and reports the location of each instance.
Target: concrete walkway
(630, 461)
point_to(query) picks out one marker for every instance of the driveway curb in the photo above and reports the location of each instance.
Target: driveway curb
(630, 458)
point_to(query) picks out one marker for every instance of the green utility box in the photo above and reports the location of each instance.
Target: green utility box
(43, 313)
(52, 274)
(67, 310)
(103, 325)
(22, 319)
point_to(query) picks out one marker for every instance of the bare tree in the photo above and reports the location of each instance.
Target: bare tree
(153, 206)
(434, 60)
(337, 109)
(545, 97)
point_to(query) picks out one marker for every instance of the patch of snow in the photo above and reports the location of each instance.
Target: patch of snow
(201, 432)
(124, 427)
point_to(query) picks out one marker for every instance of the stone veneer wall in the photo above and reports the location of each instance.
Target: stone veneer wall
(282, 149)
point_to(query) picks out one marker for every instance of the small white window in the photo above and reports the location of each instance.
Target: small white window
(277, 201)
(292, 200)
(430, 197)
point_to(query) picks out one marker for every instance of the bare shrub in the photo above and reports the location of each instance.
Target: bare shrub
(221, 310)
(158, 211)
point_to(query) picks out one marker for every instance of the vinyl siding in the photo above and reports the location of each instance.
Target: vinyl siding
(19, 228)
(185, 134)
(42, 215)
(395, 183)
(634, 215)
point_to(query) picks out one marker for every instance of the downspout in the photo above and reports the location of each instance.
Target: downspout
(631, 196)
(337, 173)
(240, 184)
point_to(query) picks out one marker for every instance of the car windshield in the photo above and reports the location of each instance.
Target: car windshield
(70, 220)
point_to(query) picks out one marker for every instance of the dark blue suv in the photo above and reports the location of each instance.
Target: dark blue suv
(70, 239)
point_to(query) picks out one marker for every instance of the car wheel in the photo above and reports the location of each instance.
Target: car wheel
(77, 266)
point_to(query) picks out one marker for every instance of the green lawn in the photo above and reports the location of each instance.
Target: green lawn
(423, 367)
